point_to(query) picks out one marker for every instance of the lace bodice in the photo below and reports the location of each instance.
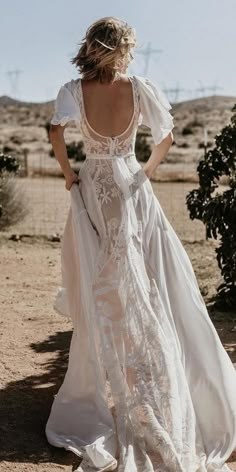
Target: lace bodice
(151, 108)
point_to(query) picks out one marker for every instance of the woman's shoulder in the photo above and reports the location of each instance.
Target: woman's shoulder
(145, 84)
(66, 103)
(69, 90)
(152, 89)
(72, 84)
(141, 79)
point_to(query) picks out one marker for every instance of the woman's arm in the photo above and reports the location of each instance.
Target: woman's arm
(158, 153)
(56, 137)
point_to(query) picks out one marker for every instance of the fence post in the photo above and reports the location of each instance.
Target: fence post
(26, 152)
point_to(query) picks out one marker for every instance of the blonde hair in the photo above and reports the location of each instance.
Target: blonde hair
(105, 49)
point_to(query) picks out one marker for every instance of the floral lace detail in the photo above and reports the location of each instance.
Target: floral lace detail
(142, 360)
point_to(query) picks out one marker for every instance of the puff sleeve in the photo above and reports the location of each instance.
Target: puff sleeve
(154, 109)
(66, 106)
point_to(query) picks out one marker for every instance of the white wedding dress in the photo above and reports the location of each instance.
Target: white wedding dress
(142, 337)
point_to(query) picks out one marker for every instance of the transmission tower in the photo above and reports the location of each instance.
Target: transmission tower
(13, 76)
(174, 92)
(214, 88)
(202, 89)
(147, 53)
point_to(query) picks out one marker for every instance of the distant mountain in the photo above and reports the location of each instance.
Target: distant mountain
(218, 102)
(6, 100)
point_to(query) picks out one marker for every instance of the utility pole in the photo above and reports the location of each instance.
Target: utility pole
(147, 53)
(202, 89)
(13, 76)
(214, 88)
(174, 92)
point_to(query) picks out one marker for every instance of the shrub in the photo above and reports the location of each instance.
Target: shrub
(202, 145)
(142, 148)
(195, 123)
(218, 211)
(183, 145)
(8, 164)
(7, 149)
(13, 205)
(74, 151)
(47, 128)
(187, 130)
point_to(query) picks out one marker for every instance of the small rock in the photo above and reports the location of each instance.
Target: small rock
(55, 237)
(14, 237)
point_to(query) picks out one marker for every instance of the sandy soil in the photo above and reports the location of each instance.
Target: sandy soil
(35, 340)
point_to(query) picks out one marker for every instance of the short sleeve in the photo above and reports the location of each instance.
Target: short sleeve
(66, 106)
(154, 109)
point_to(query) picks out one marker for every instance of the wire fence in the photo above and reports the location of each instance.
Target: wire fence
(48, 202)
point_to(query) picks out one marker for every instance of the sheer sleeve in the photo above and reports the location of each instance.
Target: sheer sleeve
(154, 109)
(66, 104)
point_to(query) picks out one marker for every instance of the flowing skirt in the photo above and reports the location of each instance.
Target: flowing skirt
(142, 339)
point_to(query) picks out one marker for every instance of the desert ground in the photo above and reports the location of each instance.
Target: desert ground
(35, 339)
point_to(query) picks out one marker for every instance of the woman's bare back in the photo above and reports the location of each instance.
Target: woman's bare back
(109, 107)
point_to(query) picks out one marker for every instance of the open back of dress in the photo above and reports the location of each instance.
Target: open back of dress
(142, 340)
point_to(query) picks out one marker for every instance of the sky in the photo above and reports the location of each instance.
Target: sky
(196, 40)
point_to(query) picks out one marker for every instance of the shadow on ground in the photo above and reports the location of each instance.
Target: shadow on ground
(25, 404)
(25, 407)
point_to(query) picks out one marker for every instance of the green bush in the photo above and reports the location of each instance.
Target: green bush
(218, 211)
(8, 164)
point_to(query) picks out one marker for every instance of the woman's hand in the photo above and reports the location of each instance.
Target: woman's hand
(147, 171)
(71, 177)
(158, 153)
(56, 136)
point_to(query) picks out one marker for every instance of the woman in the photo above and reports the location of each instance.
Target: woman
(149, 386)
